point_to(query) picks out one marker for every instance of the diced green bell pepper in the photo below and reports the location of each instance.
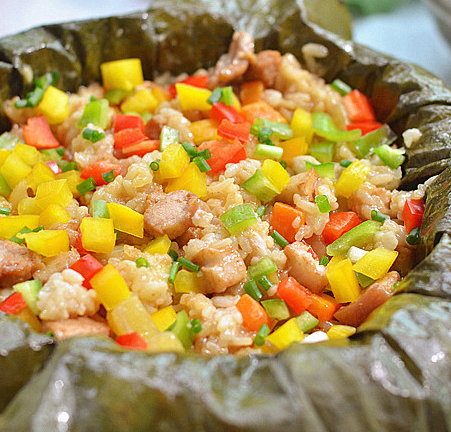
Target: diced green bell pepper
(323, 126)
(260, 186)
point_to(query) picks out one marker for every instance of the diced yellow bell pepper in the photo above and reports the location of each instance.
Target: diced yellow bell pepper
(375, 263)
(340, 332)
(164, 342)
(11, 225)
(14, 169)
(335, 260)
(343, 281)
(4, 153)
(111, 288)
(160, 95)
(160, 245)
(351, 178)
(301, 125)
(54, 105)
(236, 102)
(130, 315)
(275, 173)
(97, 235)
(27, 206)
(164, 318)
(191, 180)
(126, 220)
(73, 179)
(193, 98)
(41, 173)
(53, 192)
(294, 147)
(141, 101)
(203, 130)
(48, 242)
(174, 161)
(53, 214)
(122, 74)
(29, 154)
(26, 315)
(286, 334)
(186, 281)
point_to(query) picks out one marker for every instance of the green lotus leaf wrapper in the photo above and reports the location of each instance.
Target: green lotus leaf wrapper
(392, 376)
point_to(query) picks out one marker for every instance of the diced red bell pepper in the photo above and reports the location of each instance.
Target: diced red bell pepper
(240, 131)
(13, 304)
(123, 121)
(339, 223)
(141, 148)
(87, 266)
(358, 107)
(78, 243)
(294, 294)
(220, 111)
(132, 340)
(412, 213)
(128, 137)
(196, 81)
(222, 153)
(365, 127)
(54, 167)
(323, 307)
(98, 168)
(37, 133)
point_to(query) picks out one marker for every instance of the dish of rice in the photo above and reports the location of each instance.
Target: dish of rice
(237, 210)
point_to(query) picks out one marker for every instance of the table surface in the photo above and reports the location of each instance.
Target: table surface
(408, 33)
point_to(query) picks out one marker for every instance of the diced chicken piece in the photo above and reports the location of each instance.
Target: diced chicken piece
(375, 295)
(83, 326)
(172, 214)
(302, 184)
(304, 266)
(17, 263)
(222, 268)
(264, 67)
(235, 63)
(317, 244)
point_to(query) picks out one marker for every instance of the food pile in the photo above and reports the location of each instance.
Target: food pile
(236, 210)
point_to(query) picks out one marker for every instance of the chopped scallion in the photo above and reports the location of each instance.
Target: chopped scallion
(227, 95)
(283, 163)
(155, 165)
(261, 268)
(215, 96)
(279, 239)
(379, 217)
(261, 210)
(341, 87)
(173, 254)
(268, 151)
(108, 177)
(92, 135)
(87, 186)
(265, 283)
(188, 265)
(253, 290)
(324, 260)
(173, 271)
(202, 164)
(323, 203)
(206, 154)
(255, 129)
(34, 97)
(67, 166)
(5, 211)
(196, 325)
(345, 163)
(190, 149)
(262, 334)
(141, 262)
(414, 237)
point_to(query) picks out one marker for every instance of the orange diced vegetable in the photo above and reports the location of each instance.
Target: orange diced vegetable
(286, 220)
(261, 109)
(253, 313)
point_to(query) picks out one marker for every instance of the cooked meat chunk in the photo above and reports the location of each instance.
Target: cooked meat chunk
(172, 214)
(17, 263)
(235, 63)
(304, 266)
(375, 295)
(83, 326)
(221, 268)
(264, 67)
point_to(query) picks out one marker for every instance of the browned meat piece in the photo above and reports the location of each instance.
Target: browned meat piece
(82, 326)
(375, 295)
(264, 67)
(221, 268)
(172, 214)
(317, 244)
(152, 129)
(17, 263)
(235, 63)
(304, 266)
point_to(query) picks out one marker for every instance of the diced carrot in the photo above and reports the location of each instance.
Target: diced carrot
(37, 133)
(286, 220)
(323, 307)
(240, 131)
(365, 127)
(13, 304)
(222, 153)
(412, 213)
(294, 294)
(98, 168)
(128, 137)
(358, 107)
(132, 340)
(141, 148)
(261, 109)
(253, 313)
(124, 121)
(251, 91)
(339, 223)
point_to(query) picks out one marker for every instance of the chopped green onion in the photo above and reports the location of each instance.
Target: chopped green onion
(255, 129)
(238, 218)
(265, 283)
(108, 177)
(341, 87)
(95, 113)
(391, 157)
(279, 239)
(5, 211)
(173, 271)
(196, 325)
(50, 334)
(168, 136)
(67, 166)
(24, 230)
(34, 97)
(202, 164)
(92, 135)
(378, 217)
(396, 285)
(155, 165)
(324, 126)
(276, 309)
(17, 240)
(215, 96)
(268, 151)
(323, 203)
(173, 254)
(323, 151)
(262, 333)
(100, 209)
(345, 163)
(116, 96)
(261, 210)
(92, 99)
(227, 95)
(280, 130)
(87, 186)
(206, 154)
(141, 262)
(188, 265)
(265, 136)
(325, 170)
(264, 267)
(324, 260)
(414, 237)
(283, 163)
(252, 289)
(39, 228)
(190, 149)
